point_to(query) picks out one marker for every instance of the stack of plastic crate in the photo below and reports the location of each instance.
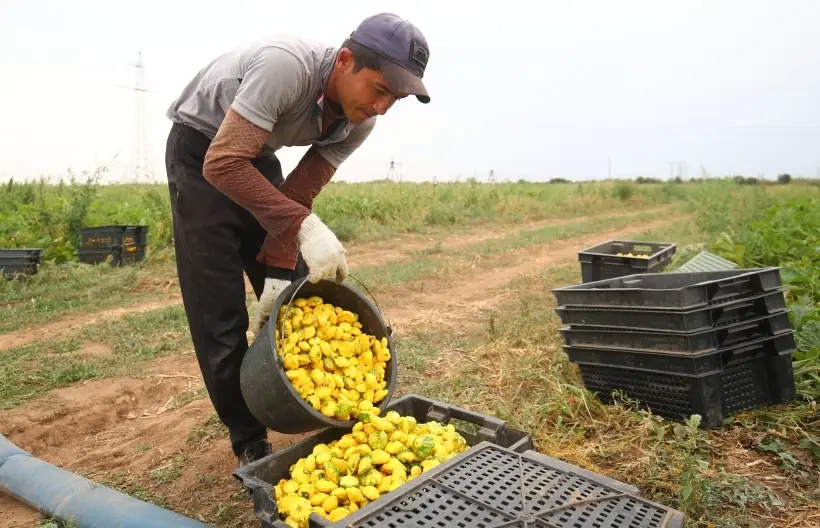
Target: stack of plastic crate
(712, 343)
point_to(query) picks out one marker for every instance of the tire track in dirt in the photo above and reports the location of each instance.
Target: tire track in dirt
(444, 301)
(403, 246)
(73, 323)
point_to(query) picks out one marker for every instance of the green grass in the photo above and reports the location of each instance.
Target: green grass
(378, 209)
(49, 216)
(57, 361)
(124, 483)
(42, 215)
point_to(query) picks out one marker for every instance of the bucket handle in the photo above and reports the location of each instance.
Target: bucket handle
(387, 322)
(296, 291)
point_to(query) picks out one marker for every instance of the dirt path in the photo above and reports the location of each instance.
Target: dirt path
(441, 301)
(77, 322)
(403, 247)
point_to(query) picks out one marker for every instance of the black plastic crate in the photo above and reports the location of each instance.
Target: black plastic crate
(681, 363)
(490, 486)
(20, 261)
(602, 261)
(673, 320)
(594, 272)
(679, 342)
(119, 255)
(751, 376)
(259, 477)
(113, 236)
(674, 291)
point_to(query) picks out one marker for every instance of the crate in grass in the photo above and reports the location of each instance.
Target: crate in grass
(491, 486)
(679, 342)
(714, 385)
(259, 477)
(20, 262)
(110, 236)
(694, 320)
(672, 291)
(116, 255)
(617, 258)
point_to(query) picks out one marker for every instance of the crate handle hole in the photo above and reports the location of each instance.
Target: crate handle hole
(463, 426)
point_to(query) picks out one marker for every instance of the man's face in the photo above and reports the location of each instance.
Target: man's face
(365, 93)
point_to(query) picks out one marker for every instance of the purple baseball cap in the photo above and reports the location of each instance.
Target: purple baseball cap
(404, 48)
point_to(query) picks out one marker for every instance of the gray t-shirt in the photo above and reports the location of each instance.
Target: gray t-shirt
(277, 84)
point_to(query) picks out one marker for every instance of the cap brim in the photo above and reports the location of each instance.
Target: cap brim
(403, 81)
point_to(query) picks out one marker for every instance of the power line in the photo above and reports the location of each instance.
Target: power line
(139, 148)
(393, 174)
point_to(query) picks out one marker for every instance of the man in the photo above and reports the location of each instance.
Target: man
(232, 209)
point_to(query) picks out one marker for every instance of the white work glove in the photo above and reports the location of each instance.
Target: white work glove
(271, 291)
(322, 251)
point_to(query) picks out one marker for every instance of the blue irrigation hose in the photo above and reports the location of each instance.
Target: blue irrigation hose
(69, 497)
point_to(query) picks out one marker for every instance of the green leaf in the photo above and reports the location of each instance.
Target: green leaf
(725, 247)
(686, 491)
(798, 311)
(788, 459)
(808, 337)
(811, 444)
(772, 445)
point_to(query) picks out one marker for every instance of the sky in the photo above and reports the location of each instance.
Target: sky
(578, 90)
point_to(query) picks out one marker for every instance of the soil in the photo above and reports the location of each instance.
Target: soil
(128, 426)
(16, 514)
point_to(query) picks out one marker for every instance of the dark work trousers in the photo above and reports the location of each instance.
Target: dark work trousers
(215, 240)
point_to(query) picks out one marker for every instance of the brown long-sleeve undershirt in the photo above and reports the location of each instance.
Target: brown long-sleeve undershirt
(302, 185)
(280, 211)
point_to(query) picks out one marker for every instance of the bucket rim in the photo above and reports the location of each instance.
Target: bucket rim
(289, 293)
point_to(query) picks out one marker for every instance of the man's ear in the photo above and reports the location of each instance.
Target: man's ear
(345, 59)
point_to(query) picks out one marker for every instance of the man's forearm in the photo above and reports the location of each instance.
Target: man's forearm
(228, 168)
(302, 185)
(308, 178)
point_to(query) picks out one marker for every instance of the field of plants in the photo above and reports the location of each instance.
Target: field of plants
(97, 372)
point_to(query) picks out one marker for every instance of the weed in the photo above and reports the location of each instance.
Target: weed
(784, 233)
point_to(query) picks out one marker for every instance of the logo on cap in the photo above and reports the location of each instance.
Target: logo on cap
(419, 53)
